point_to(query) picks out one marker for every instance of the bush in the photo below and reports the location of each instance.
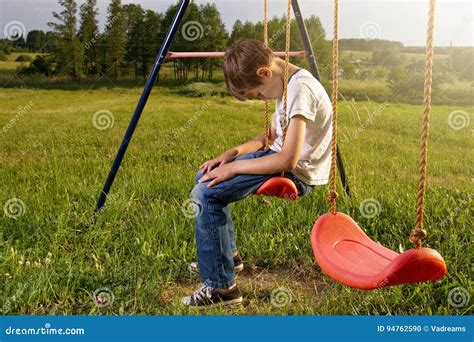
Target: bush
(3, 57)
(5, 46)
(41, 65)
(23, 58)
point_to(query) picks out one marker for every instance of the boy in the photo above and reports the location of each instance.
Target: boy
(252, 71)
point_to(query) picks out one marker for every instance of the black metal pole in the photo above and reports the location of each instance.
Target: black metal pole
(313, 65)
(342, 172)
(141, 104)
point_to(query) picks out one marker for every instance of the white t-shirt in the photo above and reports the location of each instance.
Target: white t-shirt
(307, 97)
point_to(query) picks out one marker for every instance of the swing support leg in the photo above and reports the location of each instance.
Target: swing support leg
(313, 65)
(140, 106)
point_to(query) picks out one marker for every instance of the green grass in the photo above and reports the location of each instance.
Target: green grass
(55, 161)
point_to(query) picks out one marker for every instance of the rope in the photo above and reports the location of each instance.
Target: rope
(284, 125)
(419, 232)
(265, 41)
(332, 195)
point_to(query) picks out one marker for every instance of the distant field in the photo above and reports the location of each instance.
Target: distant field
(10, 66)
(54, 160)
(410, 57)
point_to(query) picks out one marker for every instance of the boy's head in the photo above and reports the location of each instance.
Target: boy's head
(251, 71)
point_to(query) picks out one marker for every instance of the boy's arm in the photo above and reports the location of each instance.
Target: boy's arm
(257, 143)
(228, 156)
(285, 160)
(250, 146)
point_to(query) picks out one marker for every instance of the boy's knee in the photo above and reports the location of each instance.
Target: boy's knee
(200, 193)
(198, 176)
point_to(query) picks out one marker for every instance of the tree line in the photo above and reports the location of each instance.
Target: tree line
(132, 37)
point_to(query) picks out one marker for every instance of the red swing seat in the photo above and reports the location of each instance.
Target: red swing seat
(279, 187)
(346, 254)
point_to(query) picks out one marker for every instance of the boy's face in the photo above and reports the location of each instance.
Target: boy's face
(271, 87)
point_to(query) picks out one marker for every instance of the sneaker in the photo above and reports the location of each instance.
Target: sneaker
(206, 297)
(238, 265)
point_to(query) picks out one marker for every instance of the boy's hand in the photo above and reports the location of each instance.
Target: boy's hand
(219, 174)
(224, 158)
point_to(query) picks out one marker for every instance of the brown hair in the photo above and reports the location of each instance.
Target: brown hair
(241, 62)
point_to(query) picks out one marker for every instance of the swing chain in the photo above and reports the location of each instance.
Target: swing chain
(331, 198)
(332, 195)
(419, 233)
(284, 123)
(265, 42)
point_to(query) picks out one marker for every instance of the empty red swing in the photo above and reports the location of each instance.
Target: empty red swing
(342, 249)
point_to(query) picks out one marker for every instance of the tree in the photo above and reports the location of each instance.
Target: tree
(69, 52)
(214, 38)
(236, 31)
(115, 39)
(89, 34)
(188, 38)
(246, 30)
(35, 40)
(135, 30)
(321, 46)
(51, 41)
(6, 46)
(151, 40)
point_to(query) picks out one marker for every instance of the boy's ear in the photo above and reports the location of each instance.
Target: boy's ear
(264, 71)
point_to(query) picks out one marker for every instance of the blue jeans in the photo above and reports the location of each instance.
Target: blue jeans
(214, 228)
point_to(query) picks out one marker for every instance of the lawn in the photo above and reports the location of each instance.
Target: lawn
(53, 161)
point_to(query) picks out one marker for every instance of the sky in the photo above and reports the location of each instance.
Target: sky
(402, 20)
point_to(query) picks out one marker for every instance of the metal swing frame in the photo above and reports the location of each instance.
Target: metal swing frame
(162, 54)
